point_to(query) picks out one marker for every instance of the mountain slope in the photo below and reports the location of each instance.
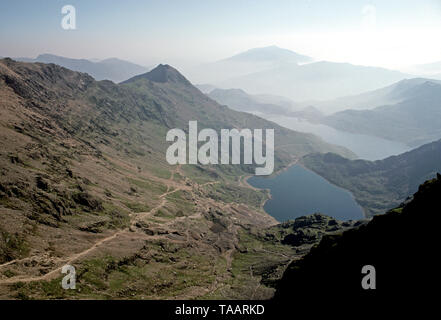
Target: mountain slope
(401, 245)
(185, 102)
(392, 94)
(415, 119)
(314, 81)
(84, 181)
(379, 185)
(112, 69)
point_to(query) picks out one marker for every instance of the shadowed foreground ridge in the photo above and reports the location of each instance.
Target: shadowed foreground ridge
(399, 244)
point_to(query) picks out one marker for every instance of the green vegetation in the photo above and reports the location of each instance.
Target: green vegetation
(233, 193)
(137, 206)
(154, 187)
(12, 246)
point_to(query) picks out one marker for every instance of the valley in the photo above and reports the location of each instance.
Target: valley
(84, 181)
(219, 159)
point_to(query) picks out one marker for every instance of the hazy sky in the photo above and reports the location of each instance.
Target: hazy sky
(389, 33)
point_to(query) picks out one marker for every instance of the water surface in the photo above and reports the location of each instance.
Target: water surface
(364, 146)
(297, 192)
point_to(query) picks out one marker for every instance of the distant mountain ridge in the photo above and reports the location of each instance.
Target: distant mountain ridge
(322, 80)
(391, 94)
(412, 116)
(272, 54)
(113, 69)
(239, 100)
(263, 105)
(241, 64)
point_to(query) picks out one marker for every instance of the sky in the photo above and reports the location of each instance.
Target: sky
(392, 34)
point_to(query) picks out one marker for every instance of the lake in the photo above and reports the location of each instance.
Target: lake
(297, 192)
(364, 146)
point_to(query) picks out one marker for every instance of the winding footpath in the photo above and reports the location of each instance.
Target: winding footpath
(135, 217)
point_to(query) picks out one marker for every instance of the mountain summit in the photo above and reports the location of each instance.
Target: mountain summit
(162, 73)
(244, 63)
(270, 54)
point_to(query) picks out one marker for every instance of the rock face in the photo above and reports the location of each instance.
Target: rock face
(269, 251)
(400, 244)
(307, 230)
(310, 229)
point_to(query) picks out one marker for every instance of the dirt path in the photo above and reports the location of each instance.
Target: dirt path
(135, 217)
(172, 187)
(14, 261)
(70, 260)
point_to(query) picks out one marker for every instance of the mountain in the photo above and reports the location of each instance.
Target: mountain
(313, 81)
(251, 61)
(161, 74)
(84, 181)
(272, 54)
(239, 100)
(112, 69)
(392, 94)
(401, 245)
(379, 185)
(413, 118)
(188, 103)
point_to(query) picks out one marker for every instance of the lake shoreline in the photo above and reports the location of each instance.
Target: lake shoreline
(269, 197)
(313, 194)
(352, 195)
